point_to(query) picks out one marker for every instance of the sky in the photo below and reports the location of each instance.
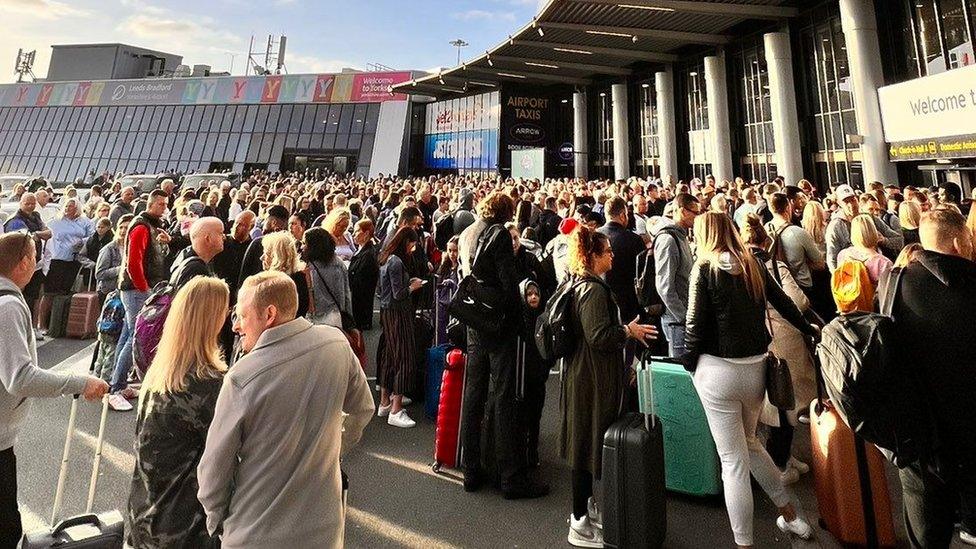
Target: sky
(323, 35)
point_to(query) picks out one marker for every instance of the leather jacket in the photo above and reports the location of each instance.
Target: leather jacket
(724, 321)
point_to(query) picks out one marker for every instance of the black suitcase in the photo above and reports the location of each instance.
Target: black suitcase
(88, 530)
(634, 500)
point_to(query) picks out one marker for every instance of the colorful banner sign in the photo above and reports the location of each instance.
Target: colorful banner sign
(292, 88)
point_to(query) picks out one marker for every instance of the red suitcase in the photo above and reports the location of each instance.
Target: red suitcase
(447, 440)
(83, 316)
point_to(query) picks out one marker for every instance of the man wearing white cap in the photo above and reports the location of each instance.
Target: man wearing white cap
(839, 229)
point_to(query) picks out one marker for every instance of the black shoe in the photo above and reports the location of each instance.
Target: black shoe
(473, 481)
(527, 489)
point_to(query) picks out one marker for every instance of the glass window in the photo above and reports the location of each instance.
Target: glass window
(262, 118)
(208, 119)
(355, 139)
(165, 116)
(332, 122)
(253, 147)
(178, 143)
(219, 146)
(199, 142)
(209, 147)
(927, 26)
(359, 118)
(959, 45)
(228, 120)
(185, 119)
(303, 141)
(293, 115)
(308, 119)
(166, 146)
(345, 118)
(174, 123)
(196, 118)
(233, 141)
(154, 122)
(274, 114)
(373, 115)
(277, 147)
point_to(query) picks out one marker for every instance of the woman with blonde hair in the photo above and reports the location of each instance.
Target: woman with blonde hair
(593, 385)
(814, 223)
(337, 222)
(726, 342)
(909, 216)
(176, 407)
(281, 254)
(865, 239)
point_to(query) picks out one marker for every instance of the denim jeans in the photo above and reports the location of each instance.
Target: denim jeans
(675, 334)
(132, 302)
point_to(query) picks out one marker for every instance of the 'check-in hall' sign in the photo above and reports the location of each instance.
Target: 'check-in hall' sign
(932, 117)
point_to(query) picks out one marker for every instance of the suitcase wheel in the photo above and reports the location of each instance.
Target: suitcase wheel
(436, 467)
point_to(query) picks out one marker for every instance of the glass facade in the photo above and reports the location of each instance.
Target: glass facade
(649, 146)
(696, 111)
(602, 155)
(749, 84)
(66, 142)
(826, 102)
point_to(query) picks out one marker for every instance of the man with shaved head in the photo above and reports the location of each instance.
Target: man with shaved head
(206, 241)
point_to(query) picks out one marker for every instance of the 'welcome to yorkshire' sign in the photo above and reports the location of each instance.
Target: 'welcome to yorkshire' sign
(297, 88)
(932, 117)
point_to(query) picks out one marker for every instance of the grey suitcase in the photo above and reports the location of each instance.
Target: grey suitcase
(88, 530)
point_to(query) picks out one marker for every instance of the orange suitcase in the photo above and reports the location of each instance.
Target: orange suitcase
(845, 469)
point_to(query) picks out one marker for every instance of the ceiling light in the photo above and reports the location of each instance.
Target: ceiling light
(568, 50)
(649, 8)
(490, 64)
(606, 33)
(546, 65)
(539, 30)
(565, 101)
(488, 84)
(510, 75)
(645, 86)
(603, 94)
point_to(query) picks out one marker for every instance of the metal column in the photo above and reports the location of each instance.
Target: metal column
(716, 89)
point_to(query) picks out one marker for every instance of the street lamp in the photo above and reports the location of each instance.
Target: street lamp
(459, 43)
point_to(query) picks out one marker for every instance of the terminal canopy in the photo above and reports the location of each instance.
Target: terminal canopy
(574, 41)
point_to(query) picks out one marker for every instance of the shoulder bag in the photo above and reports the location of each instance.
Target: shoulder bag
(474, 305)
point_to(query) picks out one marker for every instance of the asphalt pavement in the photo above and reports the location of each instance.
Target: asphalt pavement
(395, 498)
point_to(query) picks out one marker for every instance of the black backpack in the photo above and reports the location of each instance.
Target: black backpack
(874, 393)
(554, 333)
(444, 230)
(646, 272)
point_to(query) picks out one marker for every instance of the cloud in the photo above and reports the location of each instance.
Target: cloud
(483, 15)
(44, 9)
(298, 63)
(178, 30)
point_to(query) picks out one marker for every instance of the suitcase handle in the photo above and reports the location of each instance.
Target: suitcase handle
(91, 519)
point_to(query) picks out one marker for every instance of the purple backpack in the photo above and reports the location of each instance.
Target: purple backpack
(149, 326)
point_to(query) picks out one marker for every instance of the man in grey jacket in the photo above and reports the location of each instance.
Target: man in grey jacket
(269, 475)
(672, 263)
(20, 376)
(838, 234)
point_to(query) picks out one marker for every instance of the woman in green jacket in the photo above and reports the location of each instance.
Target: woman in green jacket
(594, 376)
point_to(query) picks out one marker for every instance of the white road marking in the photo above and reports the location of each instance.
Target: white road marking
(414, 466)
(78, 363)
(398, 535)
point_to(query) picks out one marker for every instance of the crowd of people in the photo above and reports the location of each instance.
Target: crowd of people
(274, 281)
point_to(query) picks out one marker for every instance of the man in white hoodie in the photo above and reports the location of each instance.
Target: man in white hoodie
(20, 376)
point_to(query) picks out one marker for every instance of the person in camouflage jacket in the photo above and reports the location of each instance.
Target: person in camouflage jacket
(176, 408)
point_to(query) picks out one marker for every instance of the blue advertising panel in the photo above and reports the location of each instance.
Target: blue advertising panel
(476, 149)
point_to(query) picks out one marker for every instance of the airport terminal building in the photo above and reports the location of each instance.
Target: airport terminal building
(842, 90)
(346, 122)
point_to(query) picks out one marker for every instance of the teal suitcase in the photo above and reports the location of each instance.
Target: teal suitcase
(691, 464)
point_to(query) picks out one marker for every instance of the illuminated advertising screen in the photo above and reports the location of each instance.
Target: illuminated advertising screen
(462, 133)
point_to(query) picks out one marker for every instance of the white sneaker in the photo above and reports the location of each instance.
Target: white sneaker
(594, 514)
(790, 476)
(118, 403)
(406, 401)
(401, 419)
(797, 527)
(967, 538)
(582, 533)
(383, 411)
(800, 467)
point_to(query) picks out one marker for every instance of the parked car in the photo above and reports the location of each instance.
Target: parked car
(147, 182)
(199, 181)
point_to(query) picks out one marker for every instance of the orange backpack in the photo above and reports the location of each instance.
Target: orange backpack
(852, 287)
